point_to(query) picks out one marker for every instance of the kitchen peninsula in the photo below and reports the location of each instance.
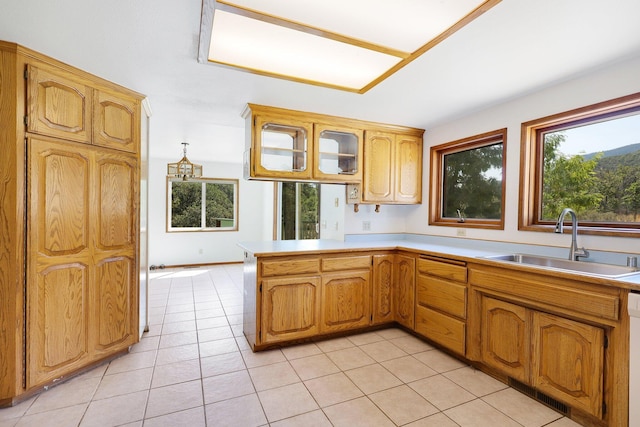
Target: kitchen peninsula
(528, 326)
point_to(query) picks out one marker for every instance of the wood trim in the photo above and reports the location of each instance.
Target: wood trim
(432, 43)
(436, 180)
(531, 159)
(261, 110)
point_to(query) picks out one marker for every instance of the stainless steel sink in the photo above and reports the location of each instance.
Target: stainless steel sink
(593, 268)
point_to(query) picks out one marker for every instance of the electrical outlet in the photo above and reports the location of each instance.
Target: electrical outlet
(366, 225)
(336, 202)
(461, 232)
(200, 251)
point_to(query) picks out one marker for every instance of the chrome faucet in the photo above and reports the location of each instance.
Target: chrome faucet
(574, 252)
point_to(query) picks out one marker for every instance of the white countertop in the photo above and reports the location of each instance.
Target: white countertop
(297, 247)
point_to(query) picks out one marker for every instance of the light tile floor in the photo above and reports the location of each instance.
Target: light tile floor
(194, 368)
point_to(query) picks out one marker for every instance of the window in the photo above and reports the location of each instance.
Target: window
(468, 182)
(588, 160)
(298, 210)
(203, 204)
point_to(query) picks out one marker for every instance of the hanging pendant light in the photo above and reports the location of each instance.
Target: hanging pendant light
(184, 168)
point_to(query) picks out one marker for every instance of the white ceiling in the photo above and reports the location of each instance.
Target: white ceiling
(517, 47)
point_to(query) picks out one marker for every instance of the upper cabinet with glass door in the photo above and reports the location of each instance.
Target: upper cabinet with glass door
(289, 145)
(337, 153)
(281, 148)
(293, 145)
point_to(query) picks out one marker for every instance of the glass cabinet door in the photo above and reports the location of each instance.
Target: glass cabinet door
(282, 148)
(338, 153)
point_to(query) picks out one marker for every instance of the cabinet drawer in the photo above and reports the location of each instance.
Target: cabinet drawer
(441, 328)
(346, 263)
(442, 295)
(452, 270)
(283, 267)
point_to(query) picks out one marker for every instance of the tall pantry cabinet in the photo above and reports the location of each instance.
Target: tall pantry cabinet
(69, 221)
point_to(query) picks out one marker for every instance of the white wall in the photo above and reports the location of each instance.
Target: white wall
(617, 80)
(219, 150)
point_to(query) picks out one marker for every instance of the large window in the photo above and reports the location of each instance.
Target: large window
(588, 160)
(468, 182)
(204, 204)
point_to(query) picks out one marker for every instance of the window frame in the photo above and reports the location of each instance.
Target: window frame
(532, 163)
(204, 181)
(436, 196)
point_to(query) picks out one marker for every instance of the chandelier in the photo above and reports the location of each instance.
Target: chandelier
(184, 168)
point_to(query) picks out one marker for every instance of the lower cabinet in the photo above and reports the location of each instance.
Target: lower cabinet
(404, 289)
(394, 277)
(505, 341)
(441, 302)
(568, 361)
(561, 358)
(290, 308)
(345, 300)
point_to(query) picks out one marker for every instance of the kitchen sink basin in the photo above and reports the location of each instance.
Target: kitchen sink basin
(592, 268)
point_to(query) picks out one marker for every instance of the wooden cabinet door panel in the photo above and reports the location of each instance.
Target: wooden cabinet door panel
(506, 338)
(281, 267)
(116, 179)
(290, 308)
(116, 122)
(408, 169)
(115, 304)
(59, 105)
(346, 300)
(404, 290)
(443, 329)
(59, 193)
(59, 258)
(378, 180)
(568, 361)
(383, 277)
(442, 295)
(58, 318)
(281, 148)
(346, 263)
(447, 269)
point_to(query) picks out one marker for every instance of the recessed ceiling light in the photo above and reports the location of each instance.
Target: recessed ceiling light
(349, 45)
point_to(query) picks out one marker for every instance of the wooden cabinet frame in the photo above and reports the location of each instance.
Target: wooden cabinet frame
(79, 249)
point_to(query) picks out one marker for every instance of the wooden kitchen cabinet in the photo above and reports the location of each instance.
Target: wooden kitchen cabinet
(506, 341)
(560, 357)
(71, 219)
(289, 145)
(298, 297)
(392, 168)
(81, 256)
(337, 152)
(404, 289)
(383, 288)
(441, 302)
(60, 103)
(346, 294)
(564, 338)
(291, 308)
(393, 289)
(568, 361)
(116, 121)
(281, 147)
(345, 298)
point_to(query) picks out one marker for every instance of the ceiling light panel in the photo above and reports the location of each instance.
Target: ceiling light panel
(264, 47)
(404, 25)
(351, 45)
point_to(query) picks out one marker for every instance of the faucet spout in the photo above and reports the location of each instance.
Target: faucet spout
(575, 253)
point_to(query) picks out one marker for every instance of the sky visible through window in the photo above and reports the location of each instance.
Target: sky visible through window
(602, 136)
